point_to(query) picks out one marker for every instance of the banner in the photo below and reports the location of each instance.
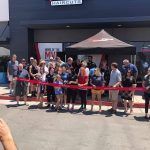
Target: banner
(81, 87)
(48, 50)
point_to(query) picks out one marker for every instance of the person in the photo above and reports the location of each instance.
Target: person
(64, 77)
(77, 65)
(146, 85)
(128, 66)
(24, 63)
(61, 63)
(41, 77)
(83, 81)
(6, 137)
(84, 64)
(69, 63)
(51, 63)
(58, 92)
(21, 86)
(50, 89)
(115, 81)
(71, 93)
(90, 63)
(128, 81)
(97, 80)
(12, 66)
(33, 71)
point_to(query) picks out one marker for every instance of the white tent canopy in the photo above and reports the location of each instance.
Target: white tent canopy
(4, 52)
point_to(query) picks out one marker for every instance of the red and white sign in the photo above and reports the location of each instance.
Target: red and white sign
(48, 50)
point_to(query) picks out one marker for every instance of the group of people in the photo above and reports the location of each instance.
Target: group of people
(78, 73)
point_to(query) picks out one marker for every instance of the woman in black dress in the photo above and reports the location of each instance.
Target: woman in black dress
(71, 93)
(128, 81)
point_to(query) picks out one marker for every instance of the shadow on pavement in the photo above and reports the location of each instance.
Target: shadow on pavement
(14, 105)
(141, 119)
(91, 112)
(33, 107)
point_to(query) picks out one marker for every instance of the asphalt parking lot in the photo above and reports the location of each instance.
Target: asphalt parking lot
(41, 129)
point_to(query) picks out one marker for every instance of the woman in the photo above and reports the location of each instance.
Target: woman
(83, 81)
(50, 89)
(97, 80)
(71, 93)
(33, 71)
(58, 93)
(42, 77)
(128, 81)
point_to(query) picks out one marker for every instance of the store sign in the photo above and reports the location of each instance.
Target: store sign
(48, 50)
(65, 2)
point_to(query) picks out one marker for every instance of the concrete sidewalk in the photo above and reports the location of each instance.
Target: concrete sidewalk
(41, 129)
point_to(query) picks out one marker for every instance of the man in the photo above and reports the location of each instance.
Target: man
(146, 85)
(90, 63)
(128, 66)
(21, 86)
(69, 62)
(12, 66)
(25, 65)
(115, 81)
(59, 61)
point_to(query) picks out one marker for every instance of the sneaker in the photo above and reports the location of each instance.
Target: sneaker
(146, 117)
(52, 107)
(110, 110)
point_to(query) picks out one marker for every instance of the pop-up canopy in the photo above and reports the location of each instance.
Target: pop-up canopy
(101, 43)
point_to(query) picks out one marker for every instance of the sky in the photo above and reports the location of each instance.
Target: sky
(4, 11)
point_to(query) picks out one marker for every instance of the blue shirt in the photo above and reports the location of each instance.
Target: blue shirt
(115, 77)
(64, 76)
(131, 67)
(97, 80)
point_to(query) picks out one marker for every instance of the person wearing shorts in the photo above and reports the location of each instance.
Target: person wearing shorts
(21, 86)
(97, 80)
(115, 81)
(12, 67)
(58, 93)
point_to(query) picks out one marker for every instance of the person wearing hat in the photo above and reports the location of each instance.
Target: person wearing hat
(146, 85)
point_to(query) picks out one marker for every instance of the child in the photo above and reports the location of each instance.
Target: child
(58, 92)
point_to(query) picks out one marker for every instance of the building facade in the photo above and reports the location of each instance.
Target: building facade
(37, 21)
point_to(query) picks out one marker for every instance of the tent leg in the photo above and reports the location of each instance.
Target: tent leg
(131, 60)
(65, 57)
(134, 59)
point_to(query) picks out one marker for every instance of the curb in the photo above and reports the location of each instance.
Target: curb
(105, 103)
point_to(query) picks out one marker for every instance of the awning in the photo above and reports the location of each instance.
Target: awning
(101, 43)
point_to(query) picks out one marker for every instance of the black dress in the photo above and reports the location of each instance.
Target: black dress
(128, 82)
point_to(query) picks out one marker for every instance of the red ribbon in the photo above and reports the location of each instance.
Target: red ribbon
(81, 87)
